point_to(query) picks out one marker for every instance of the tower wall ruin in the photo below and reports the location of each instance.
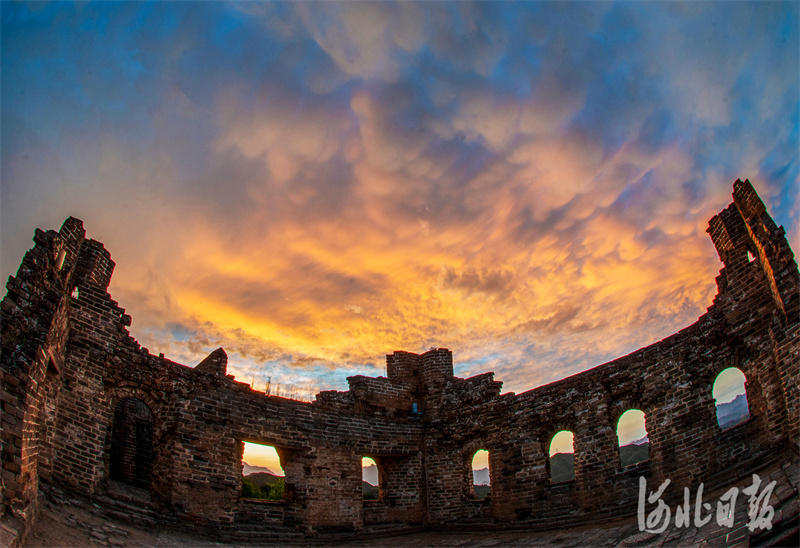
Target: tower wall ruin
(68, 361)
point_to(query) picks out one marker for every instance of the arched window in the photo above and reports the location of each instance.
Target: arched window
(262, 473)
(481, 476)
(370, 479)
(562, 457)
(132, 443)
(730, 395)
(634, 446)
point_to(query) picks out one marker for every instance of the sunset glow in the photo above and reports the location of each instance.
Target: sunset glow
(729, 384)
(256, 454)
(480, 459)
(527, 184)
(562, 442)
(631, 427)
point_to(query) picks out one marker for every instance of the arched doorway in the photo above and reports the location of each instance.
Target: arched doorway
(132, 443)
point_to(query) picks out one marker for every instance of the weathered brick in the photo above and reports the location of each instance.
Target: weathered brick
(113, 409)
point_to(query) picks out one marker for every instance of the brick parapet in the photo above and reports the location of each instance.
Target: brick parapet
(34, 315)
(382, 393)
(63, 382)
(402, 366)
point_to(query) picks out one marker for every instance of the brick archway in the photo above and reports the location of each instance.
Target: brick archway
(132, 443)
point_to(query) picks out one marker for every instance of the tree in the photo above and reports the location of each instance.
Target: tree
(273, 491)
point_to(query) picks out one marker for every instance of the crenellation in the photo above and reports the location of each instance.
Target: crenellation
(82, 402)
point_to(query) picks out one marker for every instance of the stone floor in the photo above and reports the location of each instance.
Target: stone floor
(80, 523)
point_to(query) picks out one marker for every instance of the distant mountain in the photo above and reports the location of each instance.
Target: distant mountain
(481, 491)
(263, 478)
(247, 469)
(632, 453)
(640, 441)
(732, 413)
(370, 474)
(480, 477)
(369, 482)
(562, 467)
(370, 491)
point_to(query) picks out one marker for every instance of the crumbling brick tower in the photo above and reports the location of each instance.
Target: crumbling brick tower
(84, 408)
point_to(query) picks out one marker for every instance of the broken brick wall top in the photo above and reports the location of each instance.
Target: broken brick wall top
(69, 362)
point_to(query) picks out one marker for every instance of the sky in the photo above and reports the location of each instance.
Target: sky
(256, 454)
(314, 186)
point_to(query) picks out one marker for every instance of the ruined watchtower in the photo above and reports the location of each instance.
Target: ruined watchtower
(84, 407)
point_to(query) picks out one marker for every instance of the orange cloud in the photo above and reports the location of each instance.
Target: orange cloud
(526, 185)
(389, 272)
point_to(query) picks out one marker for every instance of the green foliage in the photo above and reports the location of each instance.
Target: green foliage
(250, 490)
(272, 491)
(276, 490)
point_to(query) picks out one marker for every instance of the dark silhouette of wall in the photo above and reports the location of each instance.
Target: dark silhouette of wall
(68, 362)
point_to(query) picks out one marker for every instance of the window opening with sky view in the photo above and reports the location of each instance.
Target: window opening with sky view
(730, 396)
(634, 446)
(262, 474)
(481, 478)
(562, 457)
(370, 479)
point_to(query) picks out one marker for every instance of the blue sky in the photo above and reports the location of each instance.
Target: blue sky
(313, 186)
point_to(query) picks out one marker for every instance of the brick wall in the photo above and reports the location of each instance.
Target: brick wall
(69, 363)
(35, 322)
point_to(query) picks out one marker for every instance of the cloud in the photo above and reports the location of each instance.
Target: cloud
(552, 323)
(486, 279)
(527, 184)
(365, 39)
